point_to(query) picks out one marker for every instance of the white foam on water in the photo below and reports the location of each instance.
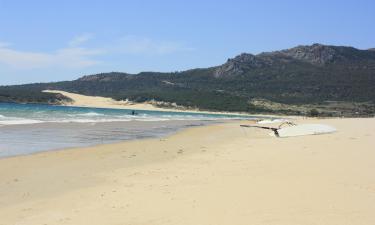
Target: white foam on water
(102, 119)
(89, 114)
(151, 119)
(19, 122)
(4, 120)
(94, 117)
(90, 120)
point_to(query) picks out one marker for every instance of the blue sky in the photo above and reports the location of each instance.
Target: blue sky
(62, 40)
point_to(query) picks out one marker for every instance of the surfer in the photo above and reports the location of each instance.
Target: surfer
(134, 113)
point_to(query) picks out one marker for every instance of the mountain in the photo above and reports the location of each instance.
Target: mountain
(334, 80)
(321, 54)
(315, 55)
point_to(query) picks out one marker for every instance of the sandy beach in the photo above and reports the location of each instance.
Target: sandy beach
(216, 174)
(104, 102)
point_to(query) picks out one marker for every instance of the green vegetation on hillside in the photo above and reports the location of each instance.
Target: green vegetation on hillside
(29, 94)
(289, 78)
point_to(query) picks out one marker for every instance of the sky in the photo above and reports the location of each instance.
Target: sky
(51, 40)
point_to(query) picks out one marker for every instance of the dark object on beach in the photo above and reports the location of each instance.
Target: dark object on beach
(314, 113)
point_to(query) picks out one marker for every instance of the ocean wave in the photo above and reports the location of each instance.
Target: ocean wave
(93, 117)
(90, 114)
(19, 122)
(88, 120)
(5, 120)
(151, 119)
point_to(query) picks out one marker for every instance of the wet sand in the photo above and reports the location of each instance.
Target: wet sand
(31, 138)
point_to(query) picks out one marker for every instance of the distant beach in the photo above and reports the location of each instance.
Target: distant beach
(104, 102)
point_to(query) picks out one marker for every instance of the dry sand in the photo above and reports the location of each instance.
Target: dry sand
(103, 102)
(218, 174)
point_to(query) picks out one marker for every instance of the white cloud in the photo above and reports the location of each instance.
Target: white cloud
(20, 59)
(4, 44)
(72, 56)
(76, 56)
(140, 45)
(80, 39)
(67, 57)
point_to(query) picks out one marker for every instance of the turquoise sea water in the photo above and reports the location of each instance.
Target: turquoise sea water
(13, 114)
(30, 128)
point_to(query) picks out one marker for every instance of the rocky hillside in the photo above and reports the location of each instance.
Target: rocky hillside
(336, 80)
(315, 55)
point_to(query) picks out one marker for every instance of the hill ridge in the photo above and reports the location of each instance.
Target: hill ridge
(314, 75)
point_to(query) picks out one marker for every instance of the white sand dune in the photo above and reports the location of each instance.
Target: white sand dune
(103, 102)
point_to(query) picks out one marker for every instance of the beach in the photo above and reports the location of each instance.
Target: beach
(187, 113)
(80, 100)
(214, 174)
(102, 102)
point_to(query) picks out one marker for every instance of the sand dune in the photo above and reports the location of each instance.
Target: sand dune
(103, 102)
(220, 174)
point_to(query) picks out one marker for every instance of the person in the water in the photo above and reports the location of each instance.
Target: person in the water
(134, 113)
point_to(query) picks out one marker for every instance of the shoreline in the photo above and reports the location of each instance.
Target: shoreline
(103, 145)
(189, 125)
(213, 174)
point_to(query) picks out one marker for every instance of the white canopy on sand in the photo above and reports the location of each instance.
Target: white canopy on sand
(304, 129)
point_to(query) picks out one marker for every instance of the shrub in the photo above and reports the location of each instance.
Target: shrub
(314, 112)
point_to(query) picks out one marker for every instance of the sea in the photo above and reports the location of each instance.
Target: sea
(31, 128)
